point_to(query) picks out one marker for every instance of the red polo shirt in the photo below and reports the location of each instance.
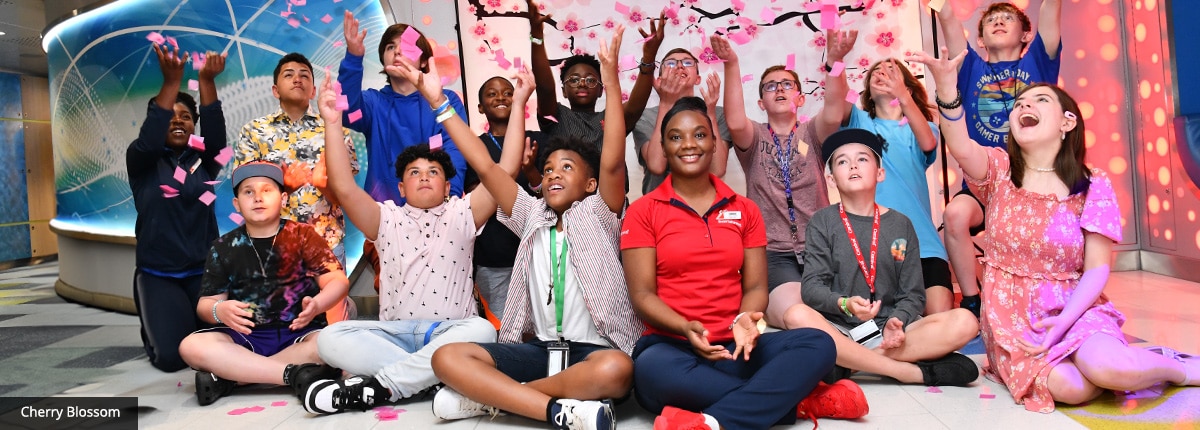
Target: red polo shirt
(698, 256)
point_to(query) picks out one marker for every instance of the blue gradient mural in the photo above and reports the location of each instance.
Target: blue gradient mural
(14, 202)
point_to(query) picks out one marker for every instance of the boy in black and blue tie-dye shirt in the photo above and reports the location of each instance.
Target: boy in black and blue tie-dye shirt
(267, 285)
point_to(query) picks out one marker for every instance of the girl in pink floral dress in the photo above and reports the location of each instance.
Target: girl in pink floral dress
(1050, 333)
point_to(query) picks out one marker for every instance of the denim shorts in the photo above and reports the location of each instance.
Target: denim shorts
(525, 362)
(265, 341)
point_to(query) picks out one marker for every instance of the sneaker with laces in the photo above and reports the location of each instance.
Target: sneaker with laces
(452, 405)
(358, 393)
(673, 418)
(570, 414)
(842, 399)
(953, 369)
(210, 387)
(300, 376)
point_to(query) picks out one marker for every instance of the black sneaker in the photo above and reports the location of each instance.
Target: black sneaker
(210, 387)
(971, 303)
(300, 376)
(358, 393)
(953, 369)
(838, 373)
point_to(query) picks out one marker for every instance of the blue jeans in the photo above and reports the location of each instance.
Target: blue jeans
(756, 394)
(397, 353)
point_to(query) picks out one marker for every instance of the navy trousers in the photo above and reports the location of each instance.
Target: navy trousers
(167, 310)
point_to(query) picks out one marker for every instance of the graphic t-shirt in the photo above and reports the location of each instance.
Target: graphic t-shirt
(989, 89)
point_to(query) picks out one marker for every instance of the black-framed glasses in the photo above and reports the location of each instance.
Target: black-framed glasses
(575, 81)
(773, 86)
(673, 63)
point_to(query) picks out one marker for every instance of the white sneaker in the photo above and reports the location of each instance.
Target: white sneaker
(584, 415)
(451, 405)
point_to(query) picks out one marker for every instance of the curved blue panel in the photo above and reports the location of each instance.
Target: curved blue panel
(1187, 132)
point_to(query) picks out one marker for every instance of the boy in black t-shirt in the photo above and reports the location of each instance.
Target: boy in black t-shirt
(266, 285)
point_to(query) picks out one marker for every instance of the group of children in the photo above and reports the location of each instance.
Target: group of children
(671, 294)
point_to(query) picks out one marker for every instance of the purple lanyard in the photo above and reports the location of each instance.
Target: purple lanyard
(783, 157)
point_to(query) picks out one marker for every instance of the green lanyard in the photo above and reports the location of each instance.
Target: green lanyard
(558, 274)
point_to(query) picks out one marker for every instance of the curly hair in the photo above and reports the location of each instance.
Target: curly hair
(422, 151)
(586, 150)
(587, 59)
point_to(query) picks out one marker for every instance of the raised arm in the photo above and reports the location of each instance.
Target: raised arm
(735, 105)
(892, 80)
(350, 72)
(971, 157)
(212, 117)
(836, 110)
(499, 183)
(1050, 25)
(356, 203)
(669, 87)
(712, 93)
(483, 205)
(147, 148)
(612, 154)
(641, 87)
(539, 61)
(952, 30)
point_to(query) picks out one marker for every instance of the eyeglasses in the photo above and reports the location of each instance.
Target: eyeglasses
(1005, 17)
(575, 81)
(773, 86)
(671, 64)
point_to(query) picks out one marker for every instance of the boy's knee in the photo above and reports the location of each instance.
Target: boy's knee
(614, 373)
(963, 323)
(450, 356)
(800, 316)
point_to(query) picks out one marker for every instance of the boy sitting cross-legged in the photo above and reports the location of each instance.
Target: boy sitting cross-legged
(568, 293)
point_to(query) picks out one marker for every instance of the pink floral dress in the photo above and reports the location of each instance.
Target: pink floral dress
(1034, 259)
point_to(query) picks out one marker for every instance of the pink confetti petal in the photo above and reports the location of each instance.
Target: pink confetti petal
(852, 97)
(354, 116)
(342, 103)
(236, 218)
(740, 37)
(894, 103)
(738, 4)
(171, 41)
(408, 44)
(501, 61)
(212, 182)
(621, 8)
(829, 17)
(644, 40)
(180, 174)
(838, 68)
(193, 85)
(628, 62)
(551, 118)
(280, 403)
(747, 78)
(517, 64)
(179, 384)
(435, 142)
(306, 21)
(791, 62)
(671, 10)
(197, 61)
(170, 195)
(802, 119)
(327, 19)
(155, 37)
(295, 23)
(812, 7)
(284, 14)
(338, 44)
(934, 390)
(167, 189)
(903, 121)
(207, 198)
(298, 2)
(987, 396)
(767, 14)
(196, 142)
(224, 156)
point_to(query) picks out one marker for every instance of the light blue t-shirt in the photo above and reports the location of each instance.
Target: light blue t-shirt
(904, 187)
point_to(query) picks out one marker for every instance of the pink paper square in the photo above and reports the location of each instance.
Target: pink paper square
(791, 62)
(167, 189)
(155, 37)
(236, 218)
(212, 182)
(281, 402)
(342, 103)
(193, 85)
(298, 2)
(934, 390)
(551, 118)
(829, 17)
(224, 156)
(987, 396)
(171, 41)
(838, 68)
(903, 121)
(285, 13)
(338, 44)
(747, 78)
(852, 97)
(207, 198)
(740, 38)
(354, 116)
(180, 174)
(517, 64)
(327, 19)
(501, 61)
(435, 142)
(621, 8)
(305, 19)
(628, 62)
(767, 14)
(812, 7)
(196, 142)
(295, 23)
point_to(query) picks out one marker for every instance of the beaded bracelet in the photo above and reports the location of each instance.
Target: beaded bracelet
(214, 312)
(956, 103)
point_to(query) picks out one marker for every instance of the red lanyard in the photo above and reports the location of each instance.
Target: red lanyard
(869, 275)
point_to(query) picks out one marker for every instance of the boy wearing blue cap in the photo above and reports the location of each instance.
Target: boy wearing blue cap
(266, 285)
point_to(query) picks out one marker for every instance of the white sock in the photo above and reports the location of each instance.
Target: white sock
(711, 422)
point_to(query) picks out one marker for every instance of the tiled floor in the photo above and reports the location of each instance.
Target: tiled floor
(1159, 309)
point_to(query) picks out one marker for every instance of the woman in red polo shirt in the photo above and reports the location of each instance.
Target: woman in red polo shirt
(694, 255)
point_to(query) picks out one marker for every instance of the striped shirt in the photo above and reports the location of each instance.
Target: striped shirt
(592, 232)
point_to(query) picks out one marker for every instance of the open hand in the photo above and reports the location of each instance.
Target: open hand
(310, 310)
(327, 103)
(235, 315)
(170, 62)
(893, 334)
(654, 37)
(721, 48)
(745, 334)
(863, 309)
(698, 336)
(214, 64)
(711, 91)
(354, 37)
(839, 43)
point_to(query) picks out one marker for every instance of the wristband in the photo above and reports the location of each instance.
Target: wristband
(214, 311)
(844, 303)
(445, 115)
(828, 68)
(535, 40)
(445, 105)
(735, 320)
(537, 189)
(953, 104)
(960, 115)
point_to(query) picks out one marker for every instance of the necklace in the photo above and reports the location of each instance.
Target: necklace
(1040, 169)
(261, 266)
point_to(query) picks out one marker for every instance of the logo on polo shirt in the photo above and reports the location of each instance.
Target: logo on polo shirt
(729, 217)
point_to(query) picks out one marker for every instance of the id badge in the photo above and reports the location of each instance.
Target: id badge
(560, 352)
(865, 332)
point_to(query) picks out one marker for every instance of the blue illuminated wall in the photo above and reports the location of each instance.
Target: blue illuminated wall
(14, 202)
(102, 72)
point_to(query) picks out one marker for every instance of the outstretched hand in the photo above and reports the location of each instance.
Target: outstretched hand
(537, 21)
(354, 37)
(214, 64)
(523, 87)
(721, 48)
(654, 37)
(698, 336)
(429, 84)
(670, 87)
(310, 310)
(609, 54)
(327, 103)
(893, 334)
(171, 63)
(839, 43)
(944, 69)
(711, 91)
(745, 334)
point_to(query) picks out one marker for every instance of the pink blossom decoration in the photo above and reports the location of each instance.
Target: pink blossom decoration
(493, 6)
(591, 34)
(479, 30)
(571, 25)
(818, 41)
(635, 15)
(609, 24)
(495, 40)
